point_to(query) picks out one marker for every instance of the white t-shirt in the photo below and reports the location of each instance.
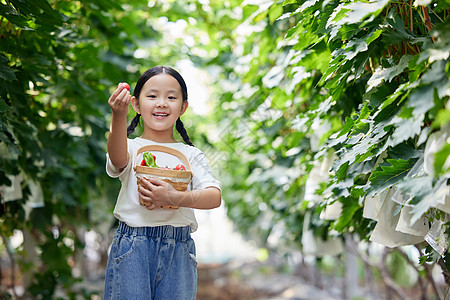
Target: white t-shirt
(129, 210)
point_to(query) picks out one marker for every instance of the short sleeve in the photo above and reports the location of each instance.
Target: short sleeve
(111, 169)
(203, 176)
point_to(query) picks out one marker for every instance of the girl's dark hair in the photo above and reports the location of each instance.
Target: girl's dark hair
(137, 91)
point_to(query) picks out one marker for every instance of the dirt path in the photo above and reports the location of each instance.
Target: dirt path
(255, 281)
(217, 282)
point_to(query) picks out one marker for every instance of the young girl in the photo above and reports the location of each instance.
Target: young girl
(152, 254)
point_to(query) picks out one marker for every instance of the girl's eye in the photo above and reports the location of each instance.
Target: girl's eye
(152, 96)
(172, 98)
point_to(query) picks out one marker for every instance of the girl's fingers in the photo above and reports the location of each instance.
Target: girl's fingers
(120, 96)
(145, 192)
(121, 101)
(156, 181)
(148, 183)
(151, 206)
(119, 89)
(123, 95)
(147, 202)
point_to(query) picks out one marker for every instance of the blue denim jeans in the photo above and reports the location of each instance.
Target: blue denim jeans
(151, 263)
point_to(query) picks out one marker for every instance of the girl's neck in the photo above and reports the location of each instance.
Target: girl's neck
(159, 138)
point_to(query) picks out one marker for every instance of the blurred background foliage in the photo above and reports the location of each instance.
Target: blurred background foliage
(328, 122)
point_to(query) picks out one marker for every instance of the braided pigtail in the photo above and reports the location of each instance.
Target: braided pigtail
(182, 131)
(134, 123)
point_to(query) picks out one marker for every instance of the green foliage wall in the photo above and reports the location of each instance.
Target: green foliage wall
(58, 63)
(357, 88)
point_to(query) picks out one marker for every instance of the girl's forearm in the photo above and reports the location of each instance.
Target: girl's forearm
(208, 198)
(117, 141)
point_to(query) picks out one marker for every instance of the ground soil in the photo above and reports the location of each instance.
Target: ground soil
(216, 282)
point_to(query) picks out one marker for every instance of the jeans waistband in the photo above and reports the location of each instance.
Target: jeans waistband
(166, 231)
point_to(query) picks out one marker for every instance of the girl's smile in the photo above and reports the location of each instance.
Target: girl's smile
(160, 115)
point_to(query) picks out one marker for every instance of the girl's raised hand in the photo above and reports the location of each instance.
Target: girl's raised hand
(120, 99)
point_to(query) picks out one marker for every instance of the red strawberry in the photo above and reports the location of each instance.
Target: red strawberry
(180, 168)
(126, 86)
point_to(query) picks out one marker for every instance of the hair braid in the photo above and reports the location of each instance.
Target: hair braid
(133, 124)
(180, 128)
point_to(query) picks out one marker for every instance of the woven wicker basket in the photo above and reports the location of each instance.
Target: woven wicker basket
(180, 180)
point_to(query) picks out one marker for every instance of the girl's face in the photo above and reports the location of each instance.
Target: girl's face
(160, 104)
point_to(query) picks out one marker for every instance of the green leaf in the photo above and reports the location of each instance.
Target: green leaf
(405, 151)
(440, 50)
(353, 48)
(392, 104)
(12, 16)
(387, 74)
(262, 12)
(442, 118)
(405, 128)
(359, 150)
(6, 73)
(355, 12)
(341, 173)
(416, 187)
(398, 33)
(440, 164)
(364, 113)
(286, 2)
(347, 126)
(275, 12)
(388, 175)
(349, 208)
(3, 106)
(373, 36)
(421, 100)
(379, 94)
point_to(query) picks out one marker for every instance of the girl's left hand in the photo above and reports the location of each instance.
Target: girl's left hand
(156, 193)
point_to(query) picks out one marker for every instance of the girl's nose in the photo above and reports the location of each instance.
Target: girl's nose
(160, 102)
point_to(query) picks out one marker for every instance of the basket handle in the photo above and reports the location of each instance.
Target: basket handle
(164, 149)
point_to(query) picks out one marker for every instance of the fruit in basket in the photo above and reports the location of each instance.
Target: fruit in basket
(149, 160)
(180, 181)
